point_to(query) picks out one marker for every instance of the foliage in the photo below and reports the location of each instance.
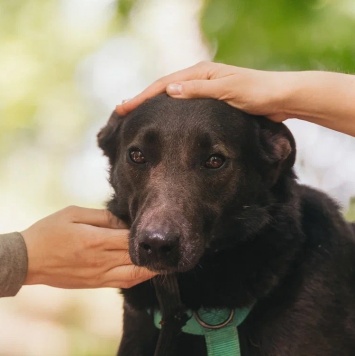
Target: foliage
(279, 34)
(282, 34)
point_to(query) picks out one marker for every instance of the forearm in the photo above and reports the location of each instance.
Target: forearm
(13, 263)
(324, 98)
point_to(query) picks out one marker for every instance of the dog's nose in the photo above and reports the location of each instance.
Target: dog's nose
(159, 248)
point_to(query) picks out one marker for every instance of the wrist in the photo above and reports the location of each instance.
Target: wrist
(289, 95)
(281, 89)
(34, 270)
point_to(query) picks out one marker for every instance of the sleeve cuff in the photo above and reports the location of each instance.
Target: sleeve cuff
(13, 263)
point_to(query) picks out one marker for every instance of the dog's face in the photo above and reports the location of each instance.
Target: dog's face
(184, 170)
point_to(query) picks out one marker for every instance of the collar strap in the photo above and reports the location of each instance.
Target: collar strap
(218, 326)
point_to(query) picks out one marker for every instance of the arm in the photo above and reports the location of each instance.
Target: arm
(323, 98)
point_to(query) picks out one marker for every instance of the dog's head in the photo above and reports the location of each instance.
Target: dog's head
(192, 175)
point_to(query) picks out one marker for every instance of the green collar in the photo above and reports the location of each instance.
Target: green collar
(218, 326)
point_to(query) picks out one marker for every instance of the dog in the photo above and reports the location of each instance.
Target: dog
(209, 194)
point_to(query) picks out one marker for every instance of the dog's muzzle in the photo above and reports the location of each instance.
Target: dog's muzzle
(158, 250)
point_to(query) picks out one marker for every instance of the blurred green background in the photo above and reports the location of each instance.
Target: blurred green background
(282, 34)
(64, 64)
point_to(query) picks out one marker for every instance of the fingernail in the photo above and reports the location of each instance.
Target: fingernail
(174, 89)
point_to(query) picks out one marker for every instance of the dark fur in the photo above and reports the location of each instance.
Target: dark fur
(244, 233)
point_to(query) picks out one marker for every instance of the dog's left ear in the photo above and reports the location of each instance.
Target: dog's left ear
(107, 138)
(278, 147)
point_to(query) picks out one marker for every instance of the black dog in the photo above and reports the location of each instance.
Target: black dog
(210, 194)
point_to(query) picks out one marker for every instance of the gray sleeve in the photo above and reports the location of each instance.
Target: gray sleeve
(13, 263)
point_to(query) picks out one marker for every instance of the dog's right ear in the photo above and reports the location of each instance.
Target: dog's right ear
(278, 148)
(107, 138)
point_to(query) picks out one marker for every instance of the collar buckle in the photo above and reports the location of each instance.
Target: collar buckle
(208, 325)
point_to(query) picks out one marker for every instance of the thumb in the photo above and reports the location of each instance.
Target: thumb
(194, 89)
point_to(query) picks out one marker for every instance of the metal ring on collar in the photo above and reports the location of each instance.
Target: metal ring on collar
(214, 326)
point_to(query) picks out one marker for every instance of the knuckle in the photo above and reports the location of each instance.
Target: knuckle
(141, 273)
(203, 64)
(161, 82)
(71, 210)
(98, 281)
(93, 241)
(136, 273)
(193, 87)
(131, 279)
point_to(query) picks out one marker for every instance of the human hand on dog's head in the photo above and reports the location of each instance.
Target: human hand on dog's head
(253, 91)
(81, 248)
(323, 98)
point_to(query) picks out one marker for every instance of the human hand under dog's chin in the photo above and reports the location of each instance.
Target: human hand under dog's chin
(81, 248)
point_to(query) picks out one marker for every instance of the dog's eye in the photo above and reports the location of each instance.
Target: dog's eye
(137, 156)
(215, 161)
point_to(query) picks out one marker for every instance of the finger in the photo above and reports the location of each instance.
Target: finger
(197, 89)
(126, 276)
(95, 217)
(198, 71)
(154, 89)
(100, 238)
